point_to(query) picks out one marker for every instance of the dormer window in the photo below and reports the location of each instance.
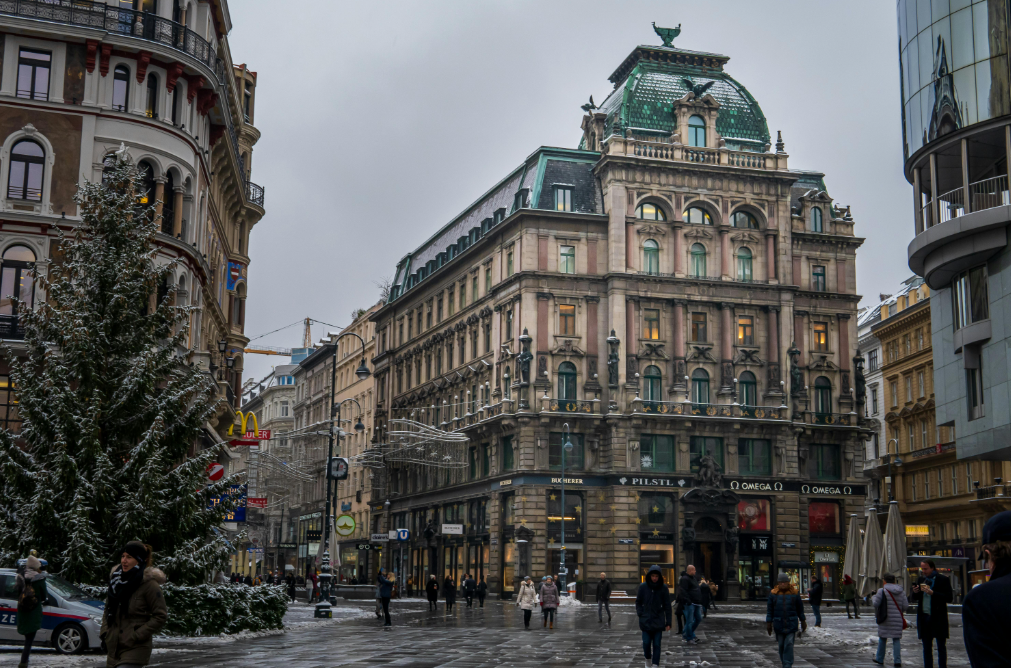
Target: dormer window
(649, 212)
(563, 198)
(816, 225)
(697, 131)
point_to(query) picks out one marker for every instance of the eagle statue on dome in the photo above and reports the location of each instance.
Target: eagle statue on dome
(698, 89)
(667, 34)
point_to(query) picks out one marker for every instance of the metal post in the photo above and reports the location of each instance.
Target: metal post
(566, 445)
(334, 411)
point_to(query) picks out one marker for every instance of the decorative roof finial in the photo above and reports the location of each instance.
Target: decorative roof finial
(667, 34)
(780, 146)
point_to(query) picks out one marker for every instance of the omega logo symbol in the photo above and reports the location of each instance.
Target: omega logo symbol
(778, 487)
(735, 485)
(805, 489)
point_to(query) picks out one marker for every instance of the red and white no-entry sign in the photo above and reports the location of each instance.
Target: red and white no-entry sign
(215, 471)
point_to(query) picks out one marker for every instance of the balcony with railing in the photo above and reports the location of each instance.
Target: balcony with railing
(830, 419)
(687, 409)
(652, 146)
(998, 492)
(573, 406)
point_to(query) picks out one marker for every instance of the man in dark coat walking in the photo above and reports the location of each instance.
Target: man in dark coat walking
(814, 594)
(784, 609)
(690, 595)
(652, 605)
(932, 592)
(432, 591)
(603, 598)
(469, 589)
(482, 591)
(986, 615)
(707, 596)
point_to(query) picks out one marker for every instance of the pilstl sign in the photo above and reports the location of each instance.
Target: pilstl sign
(249, 436)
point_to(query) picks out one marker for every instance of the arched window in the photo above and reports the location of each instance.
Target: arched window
(28, 163)
(745, 220)
(698, 260)
(148, 186)
(744, 264)
(700, 386)
(748, 389)
(181, 295)
(651, 384)
(151, 105)
(120, 88)
(651, 257)
(566, 381)
(649, 211)
(822, 396)
(15, 280)
(816, 225)
(697, 216)
(697, 131)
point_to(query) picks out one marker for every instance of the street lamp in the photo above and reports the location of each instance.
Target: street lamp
(888, 460)
(566, 447)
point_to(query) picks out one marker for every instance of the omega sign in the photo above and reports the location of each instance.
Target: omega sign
(757, 486)
(816, 489)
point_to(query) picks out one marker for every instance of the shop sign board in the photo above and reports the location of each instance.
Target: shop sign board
(625, 541)
(452, 529)
(256, 502)
(287, 546)
(364, 546)
(380, 538)
(918, 530)
(826, 557)
(310, 516)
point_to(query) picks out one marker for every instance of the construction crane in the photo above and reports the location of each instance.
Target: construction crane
(284, 352)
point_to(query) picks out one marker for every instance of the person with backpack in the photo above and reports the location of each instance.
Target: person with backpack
(134, 607)
(31, 587)
(889, 603)
(784, 609)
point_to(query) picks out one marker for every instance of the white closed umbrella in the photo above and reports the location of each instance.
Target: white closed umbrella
(870, 560)
(893, 558)
(852, 567)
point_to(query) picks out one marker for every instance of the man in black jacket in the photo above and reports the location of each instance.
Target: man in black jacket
(986, 615)
(814, 594)
(603, 596)
(652, 605)
(933, 593)
(469, 589)
(691, 596)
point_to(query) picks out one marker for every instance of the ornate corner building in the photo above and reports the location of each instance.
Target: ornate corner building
(668, 298)
(79, 79)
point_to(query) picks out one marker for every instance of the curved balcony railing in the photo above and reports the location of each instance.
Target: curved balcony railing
(254, 194)
(573, 406)
(711, 410)
(984, 194)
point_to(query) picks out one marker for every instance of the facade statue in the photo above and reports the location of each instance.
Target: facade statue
(709, 474)
(612, 359)
(525, 357)
(796, 373)
(859, 381)
(732, 539)
(687, 536)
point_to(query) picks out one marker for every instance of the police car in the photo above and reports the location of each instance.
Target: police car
(71, 620)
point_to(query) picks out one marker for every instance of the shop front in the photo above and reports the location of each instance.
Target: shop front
(574, 549)
(352, 562)
(827, 546)
(657, 521)
(308, 536)
(755, 565)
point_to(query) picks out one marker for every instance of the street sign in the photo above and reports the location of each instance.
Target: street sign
(380, 538)
(402, 534)
(345, 525)
(287, 546)
(338, 468)
(625, 541)
(215, 471)
(256, 502)
(452, 529)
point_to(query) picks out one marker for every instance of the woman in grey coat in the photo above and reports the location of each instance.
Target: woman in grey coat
(895, 603)
(549, 602)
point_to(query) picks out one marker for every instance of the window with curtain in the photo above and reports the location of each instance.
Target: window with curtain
(697, 132)
(745, 331)
(656, 452)
(822, 396)
(699, 332)
(700, 446)
(698, 261)
(697, 216)
(651, 257)
(823, 518)
(651, 324)
(27, 168)
(754, 456)
(748, 389)
(700, 386)
(574, 459)
(821, 336)
(566, 381)
(744, 265)
(649, 211)
(651, 384)
(566, 319)
(120, 88)
(816, 224)
(567, 259)
(744, 220)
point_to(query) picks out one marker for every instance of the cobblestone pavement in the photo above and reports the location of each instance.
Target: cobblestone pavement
(734, 637)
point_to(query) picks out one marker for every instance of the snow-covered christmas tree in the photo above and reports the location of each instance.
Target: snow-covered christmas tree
(111, 413)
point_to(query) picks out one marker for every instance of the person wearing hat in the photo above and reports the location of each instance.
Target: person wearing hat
(986, 613)
(134, 608)
(31, 586)
(933, 593)
(784, 609)
(653, 607)
(526, 600)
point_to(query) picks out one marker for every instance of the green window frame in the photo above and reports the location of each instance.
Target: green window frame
(574, 461)
(697, 216)
(647, 211)
(825, 461)
(657, 510)
(697, 132)
(699, 261)
(566, 381)
(485, 460)
(566, 319)
(567, 259)
(651, 257)
(745, 265)
(563, 198)
(651, 324)
(651, 390)
(747, 389)
(657, 452)
(816, 224)
(754, 456)
(700, 446)
(818, 278)
(700, 387)
(822, 396)
(508, 456)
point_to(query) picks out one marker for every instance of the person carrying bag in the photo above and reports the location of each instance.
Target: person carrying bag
(887, 601)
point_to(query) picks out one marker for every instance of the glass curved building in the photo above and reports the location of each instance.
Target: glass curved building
(956, 128)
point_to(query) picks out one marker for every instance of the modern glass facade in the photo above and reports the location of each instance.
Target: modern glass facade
(953, 66)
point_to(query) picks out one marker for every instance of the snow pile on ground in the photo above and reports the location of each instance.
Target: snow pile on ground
(569, 602)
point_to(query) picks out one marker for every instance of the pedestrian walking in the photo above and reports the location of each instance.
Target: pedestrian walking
(482, 591)
(986, 615)
(691, 596)
(526, 600)
(291, 586)
(848, 594)
(652, 605)
(549, 602)
(783, 610)
(603, 598)
(432, 591)
(889, 603)
(449, 593)
(248, 580)
(714, 590)
(134, 607)
(679, 608)
(410, 586)
(385, 583)
(469, 589)
(31, 589)
(932, 592)
(814, 594)
(707, 596)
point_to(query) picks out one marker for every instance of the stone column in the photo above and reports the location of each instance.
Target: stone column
(724, 252)
(726, 348)
(678, 248)
(679, 367)
(775, 375)
(159, 196)
(844, 354)
(177, 219)
(770, 259)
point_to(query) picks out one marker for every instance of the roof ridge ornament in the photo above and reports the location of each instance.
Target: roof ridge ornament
(667, 34)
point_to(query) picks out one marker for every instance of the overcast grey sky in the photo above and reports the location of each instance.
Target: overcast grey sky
(381, 121)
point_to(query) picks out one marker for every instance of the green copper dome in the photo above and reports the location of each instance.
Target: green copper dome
(652, 78)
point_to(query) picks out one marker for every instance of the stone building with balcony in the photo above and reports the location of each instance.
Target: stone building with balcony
(674, 301)
(78, 80)
(956, 122)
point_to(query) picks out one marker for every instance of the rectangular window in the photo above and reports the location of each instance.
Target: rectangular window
(567, 259)
(508, 326)
(754, 456)
(970, 299)
(487, 279)
(908, 341)
(895, 393)
(508, 456)
(940, 483)
(923, 434)
(699, 327)
(818, 278)
(919, 339)
(410, 328)
(574, 458)
(872, 360)
(823, 518)
(33, 74)
(509, 263)
(463, 295)
(473, 463)
(912, 487)
(701, 446)
(651, 324)
(954, 480)
(821, 336)
(972, 529)
(656, 452)
(563, 198)
(874, 401)
(438, 310)
(485, 461)
(487, 338)
(473, 344)
(974, 391)
(473, 289)
(912, 438)
(428, 318)
(566, 320)
(920, 385)
(745, 331)
(926, 485)
(284, 409)
(909, 388)
(825, 461)
(450, 302)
